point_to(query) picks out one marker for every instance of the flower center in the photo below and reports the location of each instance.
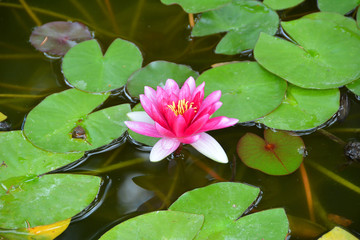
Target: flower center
(181, 107)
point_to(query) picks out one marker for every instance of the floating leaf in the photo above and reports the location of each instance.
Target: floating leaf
(354, 87)
(155, 74)
(341, 7)
(58, 37)
(222, 204)
(282, 4)
(198, 6)
(303, 109)
(327, 55)
(241, 20)
(157, 225)
(256, 91)
(279, 154)
(85, 67)
(338, 233)
(63, 122)
(3, 117)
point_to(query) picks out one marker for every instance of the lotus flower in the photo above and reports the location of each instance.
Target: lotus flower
(180, 116)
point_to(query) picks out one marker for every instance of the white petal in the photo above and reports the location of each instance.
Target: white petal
(208, 146)
(140, 116)
(163, 148)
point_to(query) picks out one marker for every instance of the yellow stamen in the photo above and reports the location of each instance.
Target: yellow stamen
(181, 107)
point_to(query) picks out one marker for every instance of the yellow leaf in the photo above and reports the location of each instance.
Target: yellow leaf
(50, 231)
(2, 117)
(337, 233)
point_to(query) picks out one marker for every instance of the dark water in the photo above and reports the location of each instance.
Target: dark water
(162, 33)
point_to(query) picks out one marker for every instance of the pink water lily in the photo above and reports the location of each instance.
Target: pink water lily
(180, 116)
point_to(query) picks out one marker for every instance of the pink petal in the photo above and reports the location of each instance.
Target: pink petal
(190, 139)
(163, 148)
(190, 82)
(208, 146)
(164, 131)
(150, 93)
(189, 115)
(143, 128)
(199, 89)
(214, 107)
(171, 87)
(146, 104)
(185, 93)
(196, 125)
(140, 116)
(218, 123)
(179, 126)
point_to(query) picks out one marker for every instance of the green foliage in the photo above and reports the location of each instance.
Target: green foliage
(282, 4)
(342, 7)
(354, 87)
(279, 153)
(198, 6)
(241, 19)
(85, 67)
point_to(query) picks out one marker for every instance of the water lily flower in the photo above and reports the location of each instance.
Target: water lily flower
(180, 116)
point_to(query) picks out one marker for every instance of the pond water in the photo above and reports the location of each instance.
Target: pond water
(132, 185)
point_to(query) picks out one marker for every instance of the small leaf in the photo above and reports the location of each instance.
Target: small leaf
(341, 7)
(282, 4)
(197, 6)
(3, 117)
(279, 154)
(50, 231)
(157, 225)
(338, 233)
(58, 37)
(155, 74)
(354, 87)
(85, 67)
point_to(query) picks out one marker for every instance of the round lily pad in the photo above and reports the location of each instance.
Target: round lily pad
(58, 37)
(341, 7)
(303, 109)
(198, 6)
(157, 225)
(64, 122)
(85, 67)
(279, 153)
(327, 55)
(354, 87)
(247, 90)
(282, 4)
(241, 20)
(155, 74)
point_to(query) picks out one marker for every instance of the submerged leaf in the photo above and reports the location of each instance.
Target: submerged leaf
(58, 37)
(338, 233)
(198, 6)
(3, 117)
(279, 154)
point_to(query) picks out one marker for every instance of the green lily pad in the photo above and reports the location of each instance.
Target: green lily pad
(327, 55)
(157, 225)
(85, 67)
(220, 203)
(18, 157)
(256, 91)
(354, 87)
(241, 20)
(303, 109)
(358, 18)
(341, 7)
(338, 233)
(279, 154)
(64, 122)
(155, 74)
(282, 4)
(42, 200)
(198, 6)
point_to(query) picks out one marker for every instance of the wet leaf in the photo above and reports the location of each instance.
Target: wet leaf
(327, 55)
(282, 4)
(51, 124)
(3, 117)
(157, 225)
(279, 153)
(52, 230)
(241, 20)
(354, 87)
(256, 91)
(85, 67)
(303, 109)
(198, 6)
(155, 74)
(341, 7)
(58, 37)
(338, 233)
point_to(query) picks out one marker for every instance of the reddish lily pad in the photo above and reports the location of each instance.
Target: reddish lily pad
(58, 37)
(279, 154)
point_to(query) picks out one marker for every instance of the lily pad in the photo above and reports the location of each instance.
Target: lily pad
(222, 204)
(3, 117)
(303, 109)
(279, 154)
(354, 87)
(198, 6)
(85, 67)
(155, 74)
(157, 225)
(338, 233)
(58, 37)
(32, 199)
(18, 157)
(327, 55)
(282, 4)
(64, 122)
(256, 91)
(341, 7)
(241, 20)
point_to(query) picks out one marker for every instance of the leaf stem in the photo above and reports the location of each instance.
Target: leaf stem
(136, 17)
(308, 194)
(332, 137)
(30, 12)
(115, 166)
(11, 95)
(208, 170)
(19, 56)
(191, 20)
(111, 16)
